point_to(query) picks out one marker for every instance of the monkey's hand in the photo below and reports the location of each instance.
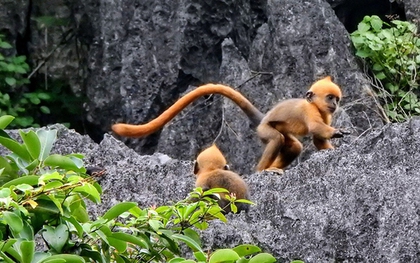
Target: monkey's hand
(339, 133)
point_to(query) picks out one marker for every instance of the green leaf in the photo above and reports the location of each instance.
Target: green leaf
(47, 139)
(27, 232)
(77, 226)
(189, 241)
(45, 110)
(44, 96)
(29, 179)
(19, 59)
(376, 23)
(56, 237)
(10, 81)
(119, 244)
(64, 258)
(24, 187)
(5, 121)
(200, 256)
(363, 27)
(28, 249)
(224, 255)
(155, 224)
(35, 100)
(60, 161)
(90, 191)
(178, 260)
(118, 209)
(193, 234)
(130, 238)
(19, 69)
(56, 202)
(53, 185)
(377, 67)
(13, 220)
(40, 256)
(5, 245)
(380, 75)
(31, 142)
(50, 176)
(297, 261)
(81, 214)
(362, 53)
(4, 163)
(263, 258)
(13, 253)
(5, 45)
(245, 250)
(17, 148)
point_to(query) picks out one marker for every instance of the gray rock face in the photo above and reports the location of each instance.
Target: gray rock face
(357, 203)
(288, 52)
(132, 59)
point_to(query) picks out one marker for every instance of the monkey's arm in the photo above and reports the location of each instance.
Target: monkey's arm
(322, 131)
(129, 130)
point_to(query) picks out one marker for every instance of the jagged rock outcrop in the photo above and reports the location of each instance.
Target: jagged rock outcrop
(131, 59)
(291, 43)
(357, 203)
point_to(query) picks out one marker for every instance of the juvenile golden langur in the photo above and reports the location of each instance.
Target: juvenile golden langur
(294, 118)
(211, 172)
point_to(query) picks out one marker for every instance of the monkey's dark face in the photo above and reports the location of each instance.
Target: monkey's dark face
(332, 102)
(327, 102)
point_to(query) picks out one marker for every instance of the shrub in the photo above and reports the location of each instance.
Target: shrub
(43, 216)
(392, 53)
(13, 98)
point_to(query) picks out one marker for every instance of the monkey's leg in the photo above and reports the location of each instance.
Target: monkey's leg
(288, 153)
(274, 141)
(322, 144)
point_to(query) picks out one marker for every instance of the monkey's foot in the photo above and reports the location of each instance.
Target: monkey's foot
(275, 169)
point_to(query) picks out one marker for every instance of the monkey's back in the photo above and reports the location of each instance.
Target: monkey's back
(289, 116)
(223, 179)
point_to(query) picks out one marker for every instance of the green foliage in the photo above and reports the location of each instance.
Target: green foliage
(13, 100)
(392, 52)
(42, 196)
(38, 104)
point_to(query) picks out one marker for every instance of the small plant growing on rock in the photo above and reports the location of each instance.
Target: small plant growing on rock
(392, 53)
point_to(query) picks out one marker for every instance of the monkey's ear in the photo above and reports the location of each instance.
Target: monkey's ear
(196, 169)
(309, 96)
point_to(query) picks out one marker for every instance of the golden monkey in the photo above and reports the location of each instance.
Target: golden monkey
(278, 129)
(211, 171)
(294, 118)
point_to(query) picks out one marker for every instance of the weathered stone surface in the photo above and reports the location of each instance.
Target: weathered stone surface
(412, 9)
(13, 22)
(288, 53)
(132, 59)
(357, 203)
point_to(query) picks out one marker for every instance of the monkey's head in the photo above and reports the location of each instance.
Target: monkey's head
(325, 94)
(210, 159)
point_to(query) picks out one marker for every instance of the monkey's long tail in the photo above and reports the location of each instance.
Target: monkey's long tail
(129, 130)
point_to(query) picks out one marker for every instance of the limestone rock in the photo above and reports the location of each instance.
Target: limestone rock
(357, 203)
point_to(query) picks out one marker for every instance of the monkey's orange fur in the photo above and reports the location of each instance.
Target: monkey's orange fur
(296, 118)
(210, 170)
(129, 130)
(278, 129)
